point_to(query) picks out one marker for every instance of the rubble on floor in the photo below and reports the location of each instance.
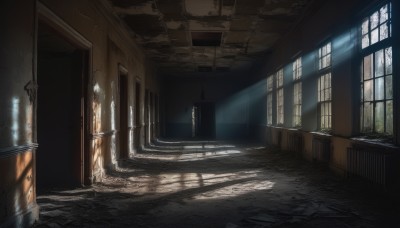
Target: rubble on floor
(212, 184)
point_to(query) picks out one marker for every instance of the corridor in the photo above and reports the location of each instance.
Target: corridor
(217, 184)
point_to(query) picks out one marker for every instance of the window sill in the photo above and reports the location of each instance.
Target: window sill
(375, 142)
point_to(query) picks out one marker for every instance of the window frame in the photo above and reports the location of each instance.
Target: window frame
(324, 70)
(372, 50)
(270, 99)
(280, 97)
(297, 69)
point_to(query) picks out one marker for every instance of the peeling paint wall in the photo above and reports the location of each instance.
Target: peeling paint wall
(112, 47)
(17, 183)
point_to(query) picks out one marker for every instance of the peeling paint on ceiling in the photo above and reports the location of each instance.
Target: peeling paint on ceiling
(249, 29)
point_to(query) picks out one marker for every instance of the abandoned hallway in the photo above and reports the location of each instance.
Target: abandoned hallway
(199, 113)
(215, 184)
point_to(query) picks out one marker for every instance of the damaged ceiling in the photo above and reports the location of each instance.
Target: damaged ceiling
(184, 36)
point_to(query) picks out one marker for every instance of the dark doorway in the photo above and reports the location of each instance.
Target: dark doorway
(62, 80)
(203, 120)
(123, 114)
(137, 116)
(147, 117)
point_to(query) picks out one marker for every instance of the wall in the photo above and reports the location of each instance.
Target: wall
(17, 183)
(231, 105)
(321, 25)
(110, 47)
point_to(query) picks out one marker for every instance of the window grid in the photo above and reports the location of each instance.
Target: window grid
(325, 101)
(270, 89)
(377, 26)
(376, 85)
(297, 92)
(325, 87)
(279, 97)
(377, 92)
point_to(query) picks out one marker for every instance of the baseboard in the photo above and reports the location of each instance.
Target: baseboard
(23, 219)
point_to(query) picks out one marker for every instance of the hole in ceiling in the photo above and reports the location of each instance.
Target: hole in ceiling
(205, 68)
(206, 38)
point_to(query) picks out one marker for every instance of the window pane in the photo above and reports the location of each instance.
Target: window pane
(365, 41)
(374, 20)
(389, 117)
(379, 117)
(328, 60)
(367, 116)
(328, 48)
(379, 89)
(379, 63)
(364, 27)
(384, 32)
(384, 14)
(388, 60)
(367, 67)
(389, 87)
(368, 90)
(374, 36)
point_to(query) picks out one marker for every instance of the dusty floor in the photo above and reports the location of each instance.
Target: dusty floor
(218, 185)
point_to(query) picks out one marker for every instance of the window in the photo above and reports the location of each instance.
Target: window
(376, 73)
(324, 88)
(377, 92)
(270, 89)
(377, 27)
(279, 97)
(297, 72)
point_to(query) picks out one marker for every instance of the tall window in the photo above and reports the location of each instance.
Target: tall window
(376, 73)
(297, 72)
(279, 97)
(324, 88)
(270, 89)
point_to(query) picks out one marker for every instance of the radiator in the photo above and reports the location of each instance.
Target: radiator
(295, 142)
(321, 149)
(372, 164)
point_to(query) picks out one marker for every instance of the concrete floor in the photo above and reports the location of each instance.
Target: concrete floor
(215, 184)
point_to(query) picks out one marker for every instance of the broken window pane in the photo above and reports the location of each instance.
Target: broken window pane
(379, 117)
(389, 87)
(379, 63)
(388, 60)
(367, 67)
(375, 36)
(389, 117)
(379, 89)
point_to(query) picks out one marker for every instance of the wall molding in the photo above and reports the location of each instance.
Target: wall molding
(15, 150)
(103, 134)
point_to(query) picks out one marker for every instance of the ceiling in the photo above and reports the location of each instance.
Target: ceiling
(186, 36)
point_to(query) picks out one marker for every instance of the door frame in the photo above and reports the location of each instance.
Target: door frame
(45, 15)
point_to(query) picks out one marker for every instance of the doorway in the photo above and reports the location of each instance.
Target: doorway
(203, 120)
(137, 116)
(123, 113)
(62, 75)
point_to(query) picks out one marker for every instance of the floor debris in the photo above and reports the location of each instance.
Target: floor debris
(217, 185)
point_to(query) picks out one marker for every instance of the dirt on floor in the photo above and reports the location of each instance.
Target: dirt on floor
(216, 184)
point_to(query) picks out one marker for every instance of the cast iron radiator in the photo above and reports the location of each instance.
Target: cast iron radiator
(373, 164)
(295, 142)
(321, 149)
